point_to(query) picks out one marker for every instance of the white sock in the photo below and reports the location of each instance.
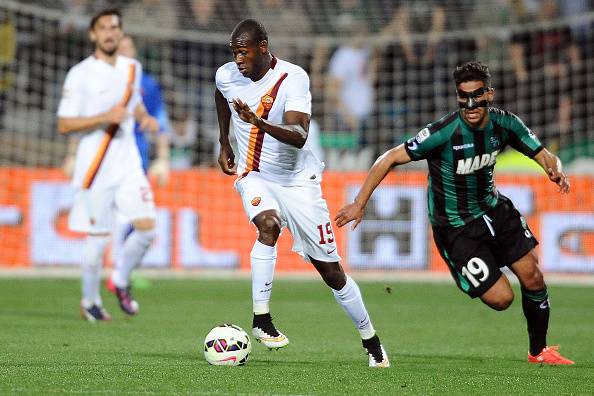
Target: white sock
(349, 298)
(132, 253)
(121, 231)
(263, 259)
(91, 266)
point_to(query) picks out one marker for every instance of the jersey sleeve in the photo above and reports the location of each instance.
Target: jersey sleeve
(423, 144)
(72, 95)
(221, 78)
(298, 95)
(520, 136)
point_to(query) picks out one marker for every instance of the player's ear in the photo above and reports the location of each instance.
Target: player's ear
(491, 95)
(263, 46)
(92, 36)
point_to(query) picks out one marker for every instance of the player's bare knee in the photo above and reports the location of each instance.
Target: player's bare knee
(144, 224)
(332, 274)
(501, 302)
(268, 229)
(534, 280)
(334, 279)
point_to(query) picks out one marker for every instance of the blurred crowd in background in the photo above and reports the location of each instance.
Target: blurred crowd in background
(380, 69)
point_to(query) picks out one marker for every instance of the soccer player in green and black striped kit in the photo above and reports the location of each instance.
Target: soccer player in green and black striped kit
(477, 229)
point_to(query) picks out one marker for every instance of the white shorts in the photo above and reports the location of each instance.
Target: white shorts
(94, 209)
(302, 209)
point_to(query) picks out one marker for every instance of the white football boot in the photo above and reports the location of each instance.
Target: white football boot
(377, 354)
(264, 331)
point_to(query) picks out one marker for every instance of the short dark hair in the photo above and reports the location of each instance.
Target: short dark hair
(253, 28)
(106, 12)
(472, 71)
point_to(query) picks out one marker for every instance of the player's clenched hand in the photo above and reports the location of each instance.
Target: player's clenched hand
(244, 111)
(149, 124)
(350, 212)
(159, 169)
(559, 178)
(227, 160)
(116, 114)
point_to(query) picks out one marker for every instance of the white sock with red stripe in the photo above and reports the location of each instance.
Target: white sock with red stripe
(263, 260)
(349, 298)
(91, 266)
(132, 253)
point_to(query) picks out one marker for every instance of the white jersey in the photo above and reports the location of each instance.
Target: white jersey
(285, 87)
(93, 87)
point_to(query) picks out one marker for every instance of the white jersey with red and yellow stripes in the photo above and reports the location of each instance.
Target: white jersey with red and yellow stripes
(105, 155)
(285, 87)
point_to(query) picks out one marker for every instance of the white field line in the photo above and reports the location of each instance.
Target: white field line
(371, 276)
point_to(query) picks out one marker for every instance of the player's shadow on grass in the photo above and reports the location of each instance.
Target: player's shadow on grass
(168, 355)
(421, 359)
(257, 361)
(424, 357)
(42, 314)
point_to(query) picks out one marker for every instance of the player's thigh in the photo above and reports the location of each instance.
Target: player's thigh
(513, 238)
(256, 195)
(92, 211)
(308, 219)
(134, 199)
(470, 260)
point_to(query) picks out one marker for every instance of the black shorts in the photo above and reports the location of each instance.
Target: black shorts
(475, 252)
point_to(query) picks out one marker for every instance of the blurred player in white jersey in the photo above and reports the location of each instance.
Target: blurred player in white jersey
(278, 177)
(100, 101)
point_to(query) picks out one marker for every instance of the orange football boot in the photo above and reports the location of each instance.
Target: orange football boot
(549, 355)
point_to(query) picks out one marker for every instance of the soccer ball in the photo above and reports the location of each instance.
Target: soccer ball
(227, 345)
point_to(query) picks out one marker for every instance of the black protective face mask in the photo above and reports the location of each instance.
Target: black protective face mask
(472, 101)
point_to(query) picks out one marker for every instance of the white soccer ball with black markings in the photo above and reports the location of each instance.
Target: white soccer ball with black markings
(227, 345)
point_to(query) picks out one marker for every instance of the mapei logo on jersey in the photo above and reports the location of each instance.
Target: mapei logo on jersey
(422, 135)
(470, 165)
(267, 102)
(256, 201)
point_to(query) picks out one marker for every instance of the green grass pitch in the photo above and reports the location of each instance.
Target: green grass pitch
(439, 341)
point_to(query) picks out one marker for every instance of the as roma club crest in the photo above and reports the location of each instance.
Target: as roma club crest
(267, 102)
(256, 201)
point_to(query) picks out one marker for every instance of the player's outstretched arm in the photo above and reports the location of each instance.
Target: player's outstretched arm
(226, 155)
(554, 169)
(294, 130)
(377, 173)
(115, 115)
(146, 121)
(160, 168)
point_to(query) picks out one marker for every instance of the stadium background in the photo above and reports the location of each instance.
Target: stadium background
(403, 52)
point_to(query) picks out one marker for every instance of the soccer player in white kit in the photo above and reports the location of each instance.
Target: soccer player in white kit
(100, 100)
(278, 177)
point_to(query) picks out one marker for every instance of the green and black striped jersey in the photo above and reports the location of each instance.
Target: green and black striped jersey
(461, 161)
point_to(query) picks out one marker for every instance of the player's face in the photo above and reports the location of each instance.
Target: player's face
(106, 34)
(248, 56)
(473, 99)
